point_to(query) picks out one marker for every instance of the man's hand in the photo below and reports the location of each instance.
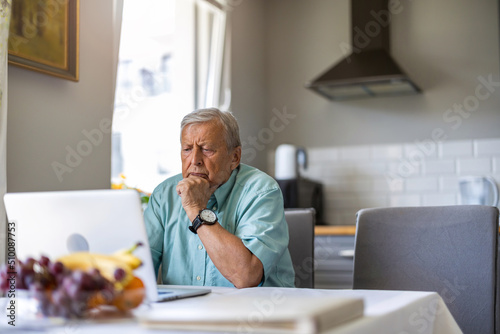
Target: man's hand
(195, 193)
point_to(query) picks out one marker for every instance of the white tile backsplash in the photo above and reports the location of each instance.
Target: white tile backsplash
(406, 174)
(355, 185)
(462, 148)
(403, 169)
(443, 166)
(324, 154)
(344, 201)
(425, 149)
(496, 165)
(385, 185)
(487, 147)
(387, 152)
(474, 166)
(405, 200)
(448, 183)
(354, 153)
(439, 199)
(370, 168)
(420, 184)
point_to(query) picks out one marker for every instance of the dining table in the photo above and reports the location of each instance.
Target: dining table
(384, 312)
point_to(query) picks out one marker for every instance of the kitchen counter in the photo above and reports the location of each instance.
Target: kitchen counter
(339, 230)
(334, 229)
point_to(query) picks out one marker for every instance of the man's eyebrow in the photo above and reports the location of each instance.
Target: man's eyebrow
(205, 143)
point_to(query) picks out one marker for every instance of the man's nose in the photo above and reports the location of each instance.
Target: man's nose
(197, 157)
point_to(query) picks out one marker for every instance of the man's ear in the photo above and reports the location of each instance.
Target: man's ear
(236, 157)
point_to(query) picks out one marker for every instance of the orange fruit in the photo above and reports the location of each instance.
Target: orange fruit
(135, 283)
(131, 296)
(99, 298)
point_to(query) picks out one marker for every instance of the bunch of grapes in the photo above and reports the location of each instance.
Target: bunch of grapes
(59, 291)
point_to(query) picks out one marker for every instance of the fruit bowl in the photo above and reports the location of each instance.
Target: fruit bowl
(50, 304)
(73, 287)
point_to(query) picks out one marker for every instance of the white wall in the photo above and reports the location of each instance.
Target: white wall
(47, 115)
(444, 45)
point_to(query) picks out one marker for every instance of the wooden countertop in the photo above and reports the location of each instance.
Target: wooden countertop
(335, 230)
(339, 230)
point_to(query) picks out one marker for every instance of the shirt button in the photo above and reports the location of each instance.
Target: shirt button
(198, 278)
(200, 247)
(215, 208)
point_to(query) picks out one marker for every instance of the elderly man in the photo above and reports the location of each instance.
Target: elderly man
(219, 223)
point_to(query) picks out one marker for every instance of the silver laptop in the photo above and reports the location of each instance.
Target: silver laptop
(101, 221)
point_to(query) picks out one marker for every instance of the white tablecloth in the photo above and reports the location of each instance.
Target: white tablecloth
(398, 312)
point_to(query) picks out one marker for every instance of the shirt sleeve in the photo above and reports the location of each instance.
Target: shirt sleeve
(155, 230)
(263, 228)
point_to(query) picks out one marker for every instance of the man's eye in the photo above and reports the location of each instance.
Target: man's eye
(186, 149)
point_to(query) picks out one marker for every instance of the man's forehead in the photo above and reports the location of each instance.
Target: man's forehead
(203, 132)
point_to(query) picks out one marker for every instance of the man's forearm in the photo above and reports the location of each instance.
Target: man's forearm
(228, 253)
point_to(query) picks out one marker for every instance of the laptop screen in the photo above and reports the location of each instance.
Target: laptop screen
(100, 221)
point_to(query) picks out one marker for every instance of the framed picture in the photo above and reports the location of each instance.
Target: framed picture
(44, 36)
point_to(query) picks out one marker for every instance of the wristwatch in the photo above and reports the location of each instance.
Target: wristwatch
(206, 216)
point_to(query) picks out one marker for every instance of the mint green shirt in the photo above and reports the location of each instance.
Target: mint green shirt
(249, 205)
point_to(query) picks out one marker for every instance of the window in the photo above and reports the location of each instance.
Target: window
(154, 90)
(172, 60)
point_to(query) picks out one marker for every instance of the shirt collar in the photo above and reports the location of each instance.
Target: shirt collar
(223, 191)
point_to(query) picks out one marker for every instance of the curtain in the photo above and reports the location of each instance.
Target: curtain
(212, 39)
(5, 7)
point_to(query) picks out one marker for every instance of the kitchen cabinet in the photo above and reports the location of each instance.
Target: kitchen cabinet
(334, 257)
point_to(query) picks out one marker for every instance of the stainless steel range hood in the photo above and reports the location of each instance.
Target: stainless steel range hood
(369, 70)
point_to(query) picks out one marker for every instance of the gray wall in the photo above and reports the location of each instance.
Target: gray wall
(248, 77)
(444, 45)
(277, 46)
(47, 116)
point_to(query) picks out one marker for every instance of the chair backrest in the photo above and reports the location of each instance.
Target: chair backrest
(301, 245)
(451, 250)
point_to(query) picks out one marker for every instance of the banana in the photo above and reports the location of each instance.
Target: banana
(127, 257)
(107, 265)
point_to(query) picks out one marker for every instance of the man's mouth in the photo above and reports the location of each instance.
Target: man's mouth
(205, 176)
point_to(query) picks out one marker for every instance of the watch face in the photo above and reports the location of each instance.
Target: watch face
(208, 216)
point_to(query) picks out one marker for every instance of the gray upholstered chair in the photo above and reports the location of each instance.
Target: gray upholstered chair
(451, 250)
(301, 245)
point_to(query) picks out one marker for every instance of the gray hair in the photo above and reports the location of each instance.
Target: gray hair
(225, 118)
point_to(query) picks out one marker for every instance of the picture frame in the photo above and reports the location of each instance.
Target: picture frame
(44, 37)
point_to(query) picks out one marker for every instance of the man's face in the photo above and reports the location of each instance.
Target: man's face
(204, 153)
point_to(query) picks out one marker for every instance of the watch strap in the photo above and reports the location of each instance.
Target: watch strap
(197, 222)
